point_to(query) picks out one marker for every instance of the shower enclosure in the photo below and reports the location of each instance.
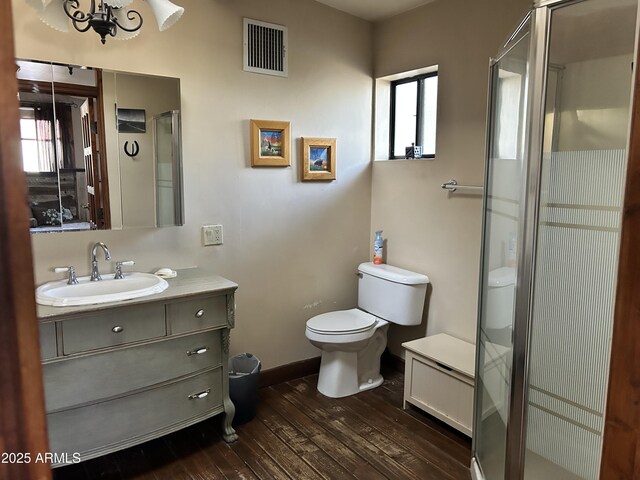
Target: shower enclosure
(168, 171)
(560, 97)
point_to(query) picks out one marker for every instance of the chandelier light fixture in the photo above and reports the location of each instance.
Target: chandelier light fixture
(105, 17)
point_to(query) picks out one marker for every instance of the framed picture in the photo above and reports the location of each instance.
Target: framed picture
(318, 159)
(131, 120)
(270, 143)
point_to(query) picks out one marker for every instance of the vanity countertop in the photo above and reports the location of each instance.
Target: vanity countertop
(189, 281)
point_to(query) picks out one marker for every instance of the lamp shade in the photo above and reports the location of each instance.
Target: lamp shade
(166, 13)
(54, 16)
(121, 16)
(118, 3)
(39, 5)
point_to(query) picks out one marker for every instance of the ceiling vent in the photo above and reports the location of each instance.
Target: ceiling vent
(265, 48)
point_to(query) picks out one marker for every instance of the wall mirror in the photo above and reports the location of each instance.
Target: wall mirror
(100, 149)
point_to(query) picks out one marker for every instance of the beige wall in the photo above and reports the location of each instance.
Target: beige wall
(292, 247)
(427, 229)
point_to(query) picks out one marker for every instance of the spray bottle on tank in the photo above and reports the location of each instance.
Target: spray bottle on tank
(378, 247)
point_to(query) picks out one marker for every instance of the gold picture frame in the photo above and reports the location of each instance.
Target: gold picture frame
(270, 143)
(318, 159)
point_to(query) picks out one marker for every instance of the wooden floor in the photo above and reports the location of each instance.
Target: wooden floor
(299, 434)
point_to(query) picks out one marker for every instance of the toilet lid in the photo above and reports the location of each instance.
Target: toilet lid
(342, 322)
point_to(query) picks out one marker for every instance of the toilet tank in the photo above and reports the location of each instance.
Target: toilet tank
(501, 291)
(392, 293)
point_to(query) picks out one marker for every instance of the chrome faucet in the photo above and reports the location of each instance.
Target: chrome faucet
(73, 279)
(95, 274)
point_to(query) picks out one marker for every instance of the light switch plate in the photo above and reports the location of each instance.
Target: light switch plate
(211, 235)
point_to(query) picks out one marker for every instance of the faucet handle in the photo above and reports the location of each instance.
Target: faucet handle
(73, 280)
(119, 266)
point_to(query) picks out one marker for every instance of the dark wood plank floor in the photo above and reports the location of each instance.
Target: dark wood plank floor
(299, 434)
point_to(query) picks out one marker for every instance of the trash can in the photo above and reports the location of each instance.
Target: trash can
(243, 386)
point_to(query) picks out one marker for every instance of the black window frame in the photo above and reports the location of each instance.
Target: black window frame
(419, 113)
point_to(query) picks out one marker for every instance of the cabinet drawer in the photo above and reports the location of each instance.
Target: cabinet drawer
(197, 314)
(48, 347)
(447, 395)
(113, 373)
(107, 424)
(116, 326)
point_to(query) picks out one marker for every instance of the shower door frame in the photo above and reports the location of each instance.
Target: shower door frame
(526, 264)
(527, 233)
(511, 43)
(176, 166)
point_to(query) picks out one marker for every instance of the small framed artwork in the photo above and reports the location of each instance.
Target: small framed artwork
(318, 159)
(270, 143)
(131, 120)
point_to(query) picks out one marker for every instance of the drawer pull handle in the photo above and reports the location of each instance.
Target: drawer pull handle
(199, 313)
(195, 396)
(198, 351)
(117, 329)
(444, 367)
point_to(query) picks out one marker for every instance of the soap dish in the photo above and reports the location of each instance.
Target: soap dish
(166, 273)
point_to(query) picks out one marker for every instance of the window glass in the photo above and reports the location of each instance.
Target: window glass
(29, 140)
(406, 107)
(429, 113)
(413, 118)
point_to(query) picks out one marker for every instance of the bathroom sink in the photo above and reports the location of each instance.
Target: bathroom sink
(86, 292)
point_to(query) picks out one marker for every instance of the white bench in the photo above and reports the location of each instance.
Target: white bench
(439, 379)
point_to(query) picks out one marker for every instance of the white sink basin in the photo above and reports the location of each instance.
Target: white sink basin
(86, 292)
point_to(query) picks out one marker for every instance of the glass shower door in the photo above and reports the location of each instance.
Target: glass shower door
(588, 95)
(167, 169)
(501, 239)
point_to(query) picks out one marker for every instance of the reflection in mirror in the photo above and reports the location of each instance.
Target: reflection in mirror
(56, 117)
(166, 128)
(142, 151)
(76, 130)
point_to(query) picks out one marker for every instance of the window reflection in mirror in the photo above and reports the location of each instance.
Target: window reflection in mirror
(78, 174)
(58, 108)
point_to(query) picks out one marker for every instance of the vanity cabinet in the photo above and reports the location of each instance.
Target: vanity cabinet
(132, 371)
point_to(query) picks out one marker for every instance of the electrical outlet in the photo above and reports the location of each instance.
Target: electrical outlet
(212, 235)
(217, 234)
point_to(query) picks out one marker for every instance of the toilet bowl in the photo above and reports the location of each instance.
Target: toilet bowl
(348, 339)
(352, 341)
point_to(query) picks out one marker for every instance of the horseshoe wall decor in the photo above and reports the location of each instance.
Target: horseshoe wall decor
(135, 149)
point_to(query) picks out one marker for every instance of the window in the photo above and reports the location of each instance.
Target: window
(29, 140)
(413, 115)
(36, 135)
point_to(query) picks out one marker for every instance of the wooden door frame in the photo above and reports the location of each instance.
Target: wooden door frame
(92, 175)
(621, 441)
(23, 427)
(102, 155)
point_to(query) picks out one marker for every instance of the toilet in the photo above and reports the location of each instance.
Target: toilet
(352, 341)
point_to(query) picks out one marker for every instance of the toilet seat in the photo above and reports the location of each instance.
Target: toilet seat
(342, 322)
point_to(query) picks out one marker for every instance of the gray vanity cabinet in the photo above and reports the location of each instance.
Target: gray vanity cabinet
(119, 376)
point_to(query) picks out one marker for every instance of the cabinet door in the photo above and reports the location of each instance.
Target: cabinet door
(108, 426)
(197, 314)
(48, 347)
(117, 326)
(79, 380)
